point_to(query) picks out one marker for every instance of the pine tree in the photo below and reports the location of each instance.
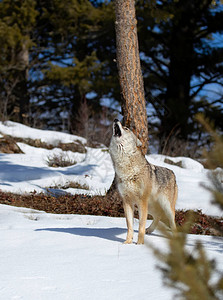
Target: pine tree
(79, 64)
(179, 61)
(16, 22)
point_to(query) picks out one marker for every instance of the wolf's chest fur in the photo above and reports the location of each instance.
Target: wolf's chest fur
(128, 165)
(131, 172)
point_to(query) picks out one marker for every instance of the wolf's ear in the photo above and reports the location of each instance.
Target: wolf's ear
(138, 143)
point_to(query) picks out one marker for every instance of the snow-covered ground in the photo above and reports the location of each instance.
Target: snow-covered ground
(54, 257)
(46, 256)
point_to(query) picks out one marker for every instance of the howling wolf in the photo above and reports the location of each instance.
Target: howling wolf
(151, 188)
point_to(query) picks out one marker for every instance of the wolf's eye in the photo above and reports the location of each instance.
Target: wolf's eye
(125, 128)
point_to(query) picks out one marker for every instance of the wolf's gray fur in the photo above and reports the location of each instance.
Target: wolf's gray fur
(153, 189)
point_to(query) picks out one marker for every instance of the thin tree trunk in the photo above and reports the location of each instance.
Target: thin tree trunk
(177, 99)
(129, 69)
(21, 89)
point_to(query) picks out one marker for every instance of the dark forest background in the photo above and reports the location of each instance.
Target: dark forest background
(58, 68)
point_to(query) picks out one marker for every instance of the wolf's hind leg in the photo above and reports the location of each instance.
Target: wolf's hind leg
(171, 218)
(153, 226)
(172, 222)
(167, 212)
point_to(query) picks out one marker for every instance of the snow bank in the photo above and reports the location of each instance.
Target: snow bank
(21, 173)
(47, 136)
(184, 162)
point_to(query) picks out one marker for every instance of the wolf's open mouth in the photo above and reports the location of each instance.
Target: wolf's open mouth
(117, 131)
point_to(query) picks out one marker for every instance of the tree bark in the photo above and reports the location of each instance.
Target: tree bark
(129, 69)
(130, 76)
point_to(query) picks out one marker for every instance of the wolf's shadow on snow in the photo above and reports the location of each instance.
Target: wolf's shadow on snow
(110, 234)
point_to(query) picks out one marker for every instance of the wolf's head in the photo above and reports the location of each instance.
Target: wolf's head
(124, 138)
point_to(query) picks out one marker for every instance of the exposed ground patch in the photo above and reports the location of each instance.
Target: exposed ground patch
(104, 206)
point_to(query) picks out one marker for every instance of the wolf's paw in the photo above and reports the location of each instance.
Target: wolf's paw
(140, 241)
(149, 231)
(128, 242)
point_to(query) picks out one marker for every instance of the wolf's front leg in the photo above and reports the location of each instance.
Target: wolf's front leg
(143, 212)
(129, 215)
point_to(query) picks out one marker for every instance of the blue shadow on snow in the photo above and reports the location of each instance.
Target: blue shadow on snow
(16, 173)
(103, 233)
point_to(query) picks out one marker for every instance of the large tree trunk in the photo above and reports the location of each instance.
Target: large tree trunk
(130, 75)
(129, 69)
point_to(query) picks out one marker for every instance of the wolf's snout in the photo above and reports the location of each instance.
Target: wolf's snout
(116, 128)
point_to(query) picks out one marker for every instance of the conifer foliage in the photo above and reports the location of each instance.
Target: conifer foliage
(56, 56)
(193, 274)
